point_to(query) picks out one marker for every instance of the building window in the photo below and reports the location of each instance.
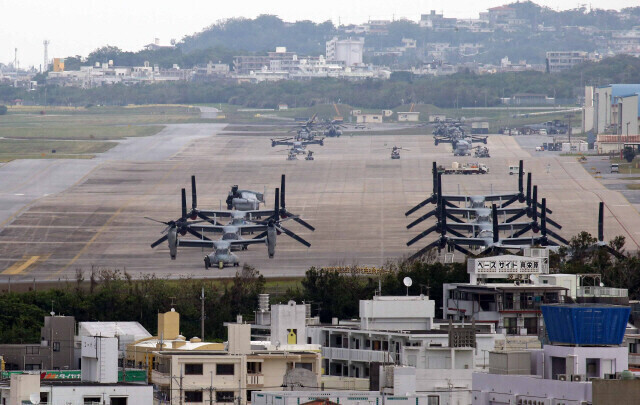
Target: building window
(254, 367)
(118, 400)
(224, 369)
(56, 346)
(433, 400)
(511, 325)
(92, 400)
(306, 366)
(224, 396)
(193, 396)
(193, 369)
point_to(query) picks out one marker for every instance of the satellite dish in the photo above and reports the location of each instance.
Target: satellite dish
(34, 398)
(407, 282)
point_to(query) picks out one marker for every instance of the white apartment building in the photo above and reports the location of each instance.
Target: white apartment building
(388, 331)
(348, 51)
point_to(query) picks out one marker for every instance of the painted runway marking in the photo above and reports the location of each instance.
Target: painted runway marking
(19, 267)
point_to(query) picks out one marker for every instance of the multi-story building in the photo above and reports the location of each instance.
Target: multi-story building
(514, 307)
(54, 352)
(98, 383)
(585, 346)
(203, 372)
(558, 61)
(347, 51)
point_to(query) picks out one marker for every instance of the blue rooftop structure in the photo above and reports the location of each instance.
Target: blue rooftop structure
(586, 324)
(621, 90)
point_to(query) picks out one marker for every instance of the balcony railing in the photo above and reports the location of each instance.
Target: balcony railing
(255, 379)
(366, 356)
(597, 291)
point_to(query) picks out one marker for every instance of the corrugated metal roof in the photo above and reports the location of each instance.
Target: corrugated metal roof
(113, 329)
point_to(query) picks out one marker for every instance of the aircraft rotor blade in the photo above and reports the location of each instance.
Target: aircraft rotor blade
(184, 203)
(422, 218)
(523, 231)
(292, 235)
(194, 200)
(509, 202)
(301, 221)
(155, 220)
(429, 200)
(558, 237)
(424, 250)
(601, 222)
(196, 234)
(518, 215)
(159, 241)
(422, 235)
(282, 192)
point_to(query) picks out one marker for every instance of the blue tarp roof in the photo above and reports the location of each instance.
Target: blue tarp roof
(586, 324)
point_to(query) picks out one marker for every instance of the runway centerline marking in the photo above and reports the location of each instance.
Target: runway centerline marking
(19, 267)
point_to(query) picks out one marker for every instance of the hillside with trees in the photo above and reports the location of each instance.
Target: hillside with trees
(459, 90)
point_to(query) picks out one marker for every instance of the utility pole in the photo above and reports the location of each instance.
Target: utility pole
(211, 389)
(202, 315)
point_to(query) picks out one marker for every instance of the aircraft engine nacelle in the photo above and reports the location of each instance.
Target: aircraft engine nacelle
(271, 241)
(172, 240)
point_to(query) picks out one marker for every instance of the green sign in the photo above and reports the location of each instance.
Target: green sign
(132, 375)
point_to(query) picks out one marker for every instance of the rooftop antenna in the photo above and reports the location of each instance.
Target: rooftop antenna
(15, 60)
(172, 302)
(407, 283)
(52, 311)
(46, 55)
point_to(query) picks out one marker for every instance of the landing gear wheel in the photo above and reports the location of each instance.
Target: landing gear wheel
(236, 264)
(207, 262)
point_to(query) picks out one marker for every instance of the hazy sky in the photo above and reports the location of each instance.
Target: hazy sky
(77, 27)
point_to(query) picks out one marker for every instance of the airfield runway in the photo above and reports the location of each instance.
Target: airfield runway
(353, 193)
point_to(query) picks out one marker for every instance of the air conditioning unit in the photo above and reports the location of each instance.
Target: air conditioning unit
(562, 377)
(578, 377)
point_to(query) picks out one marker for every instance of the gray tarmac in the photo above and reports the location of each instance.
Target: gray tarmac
(353, 193)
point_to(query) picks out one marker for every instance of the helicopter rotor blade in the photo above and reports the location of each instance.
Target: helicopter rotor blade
(159, 241)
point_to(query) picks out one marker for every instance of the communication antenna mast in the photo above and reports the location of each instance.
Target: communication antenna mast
(46, 55)
(15, 60)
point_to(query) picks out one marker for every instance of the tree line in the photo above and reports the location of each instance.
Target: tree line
(463, 89)
(114, 295)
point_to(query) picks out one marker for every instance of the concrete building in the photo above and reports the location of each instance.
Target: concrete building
(364, 118)
(612, 110)
(54, 352)
(98, 385)
(558, 61)
(348, 51)
(196, 371)
(387, 331)
(514, 305)
(409, 116)
(585, 345)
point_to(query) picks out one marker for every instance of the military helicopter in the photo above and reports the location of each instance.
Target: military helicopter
(222, 254)
(246, 214)
(244, 200)
(333, 128)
